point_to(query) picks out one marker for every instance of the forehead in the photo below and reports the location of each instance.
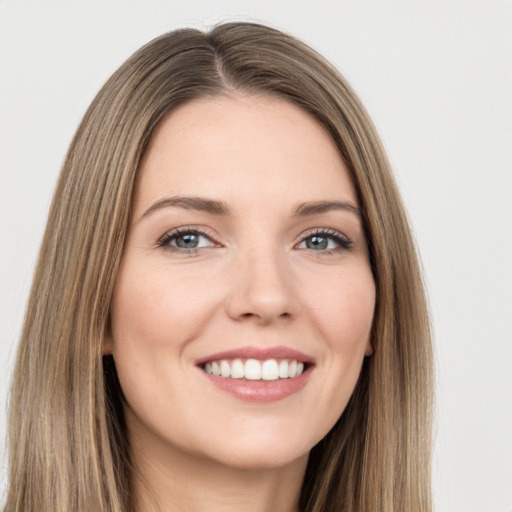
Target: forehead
(241, 147)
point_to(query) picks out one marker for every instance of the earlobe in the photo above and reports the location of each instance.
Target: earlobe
(107, 345)
(369, 349)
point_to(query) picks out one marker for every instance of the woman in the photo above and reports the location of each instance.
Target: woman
(227, 312)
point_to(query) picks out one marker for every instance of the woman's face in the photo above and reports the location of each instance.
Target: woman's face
(246, 256)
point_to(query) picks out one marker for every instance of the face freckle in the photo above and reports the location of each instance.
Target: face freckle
(245, 244)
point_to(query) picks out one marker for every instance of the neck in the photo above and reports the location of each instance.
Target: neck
(168, 479)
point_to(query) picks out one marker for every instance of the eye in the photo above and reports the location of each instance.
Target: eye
(325, 240)
(186, 240)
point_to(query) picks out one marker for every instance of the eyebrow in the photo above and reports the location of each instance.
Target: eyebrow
(215, 207)
(317, 207)
(190, 203)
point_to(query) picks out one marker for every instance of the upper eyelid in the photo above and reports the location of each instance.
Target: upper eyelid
(324, 231)
(189, 229)
(327, 231)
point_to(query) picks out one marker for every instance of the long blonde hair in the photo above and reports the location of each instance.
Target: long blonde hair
(67, 444)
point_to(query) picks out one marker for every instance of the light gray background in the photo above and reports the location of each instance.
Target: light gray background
(437, 79)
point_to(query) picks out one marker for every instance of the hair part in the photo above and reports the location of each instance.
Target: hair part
(67, 442)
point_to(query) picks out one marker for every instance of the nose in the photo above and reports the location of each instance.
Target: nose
(262, 289)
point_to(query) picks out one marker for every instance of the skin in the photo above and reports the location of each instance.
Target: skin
(254, 280)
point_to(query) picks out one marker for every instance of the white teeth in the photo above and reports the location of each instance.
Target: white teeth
(225, 369)
(252, 369)
(283, 369)
(292, 369)
(215, 368)
(237, 369)
(270, 370)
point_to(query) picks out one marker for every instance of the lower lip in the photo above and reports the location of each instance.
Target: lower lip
(261, 391)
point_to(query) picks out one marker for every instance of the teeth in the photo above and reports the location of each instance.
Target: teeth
(292, 369)
(252, 369)
(270, 370)
(215, 368)
(283, 369)
(225, 369)
(237, 369)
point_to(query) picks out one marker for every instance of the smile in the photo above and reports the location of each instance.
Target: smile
(257, 374)
(253, 369)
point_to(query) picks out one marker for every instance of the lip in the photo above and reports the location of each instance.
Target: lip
(259, 391)
(259, 353)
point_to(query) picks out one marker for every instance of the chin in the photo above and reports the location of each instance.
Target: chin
(267, 450)
(263, 457)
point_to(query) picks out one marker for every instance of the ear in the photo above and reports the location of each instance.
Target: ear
(106, 349)
(108, 344)
(369, 348)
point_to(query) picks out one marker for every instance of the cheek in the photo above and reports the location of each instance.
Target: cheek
(153, 307)
(344, 312)
(341, 317)
(155, 315)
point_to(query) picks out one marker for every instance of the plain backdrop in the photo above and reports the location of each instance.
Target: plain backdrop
(435, 76)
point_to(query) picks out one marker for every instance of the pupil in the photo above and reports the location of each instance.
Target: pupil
(317, 242)
(187, 241)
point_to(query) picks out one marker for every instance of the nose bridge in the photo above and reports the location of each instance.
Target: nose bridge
(262, 284)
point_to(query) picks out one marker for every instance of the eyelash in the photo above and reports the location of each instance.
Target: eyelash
(344, 243)
(166, 240)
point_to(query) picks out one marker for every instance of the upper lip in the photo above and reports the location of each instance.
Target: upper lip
(260, 353)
